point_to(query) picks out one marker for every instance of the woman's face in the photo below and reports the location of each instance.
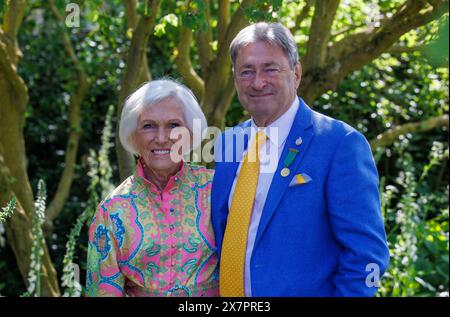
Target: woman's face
(152, 138)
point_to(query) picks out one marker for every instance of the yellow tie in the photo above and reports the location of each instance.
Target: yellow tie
(235, 239)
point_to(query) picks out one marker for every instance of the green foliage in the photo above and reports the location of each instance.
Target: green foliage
(69, 278)
(263, 10)
(100, 173)
(5, 213)
(417, 234)
(37, 248)
(3, 6)
(8, 210)
(100, 44)
(437, 50)
(356, 15)
(169, 19)
(392, 90)
(194, 16)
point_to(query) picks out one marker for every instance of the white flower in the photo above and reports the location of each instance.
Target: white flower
(405, 260)
(32, 278)
(31, 288)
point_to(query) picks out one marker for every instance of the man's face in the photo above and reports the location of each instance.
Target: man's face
(265, 83)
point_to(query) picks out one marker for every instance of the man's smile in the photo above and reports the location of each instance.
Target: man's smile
(260, 95)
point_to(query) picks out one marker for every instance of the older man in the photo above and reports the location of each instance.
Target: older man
(306, 221)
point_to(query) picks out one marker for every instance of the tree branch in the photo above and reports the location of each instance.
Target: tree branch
(218, 89)
(130, 13)
(385, 139)
(65, 182)
(132, 20)
(222, 60)
(135, 62)
(8, 72)
(184, 65)
(356, 50)
(237, 23)
(220, 70)
(319, 34)
(302, 15)
(137, 51)
(203, 40)
(397, 49)
(224, 102)
(12, 19)
(349, 29)
(223, 20)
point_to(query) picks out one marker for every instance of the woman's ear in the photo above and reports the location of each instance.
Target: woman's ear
(132, 141)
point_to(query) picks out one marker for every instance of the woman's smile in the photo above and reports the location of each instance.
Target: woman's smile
(161, 152)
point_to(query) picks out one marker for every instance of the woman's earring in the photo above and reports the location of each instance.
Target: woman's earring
(142, 161)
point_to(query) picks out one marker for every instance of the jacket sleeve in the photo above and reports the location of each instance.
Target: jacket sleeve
(103, 276)
(355, 215)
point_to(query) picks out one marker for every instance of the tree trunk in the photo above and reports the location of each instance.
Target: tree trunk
(19, 226)
(76, 99)
(136, 73)
(13, 171)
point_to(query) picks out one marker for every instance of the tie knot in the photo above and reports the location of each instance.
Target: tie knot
(260, 138)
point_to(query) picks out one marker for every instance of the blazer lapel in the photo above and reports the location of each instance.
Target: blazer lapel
(301, 128)
(236, 146)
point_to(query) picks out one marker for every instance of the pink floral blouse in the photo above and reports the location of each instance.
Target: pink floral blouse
(144, 242)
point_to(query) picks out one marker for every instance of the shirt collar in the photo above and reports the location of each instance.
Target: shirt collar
(174, 180)
(282, 125)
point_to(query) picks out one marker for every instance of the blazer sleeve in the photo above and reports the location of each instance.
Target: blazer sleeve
(355, 215)
(103, 276)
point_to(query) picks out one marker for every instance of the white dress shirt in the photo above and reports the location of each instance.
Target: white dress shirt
(277, 133)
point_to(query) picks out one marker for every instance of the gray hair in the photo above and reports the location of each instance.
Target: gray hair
(271, 33)
(149, 94)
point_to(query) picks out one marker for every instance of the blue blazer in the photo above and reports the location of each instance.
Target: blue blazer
(321, 238)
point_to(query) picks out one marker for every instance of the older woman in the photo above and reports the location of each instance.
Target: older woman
(152, 235)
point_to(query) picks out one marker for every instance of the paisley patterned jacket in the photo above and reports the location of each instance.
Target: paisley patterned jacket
(147, 242)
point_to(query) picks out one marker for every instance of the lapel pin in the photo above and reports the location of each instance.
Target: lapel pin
(285, 172)
(288, 161)
(298, 141)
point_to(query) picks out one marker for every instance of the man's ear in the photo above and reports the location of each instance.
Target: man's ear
(298, 74)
